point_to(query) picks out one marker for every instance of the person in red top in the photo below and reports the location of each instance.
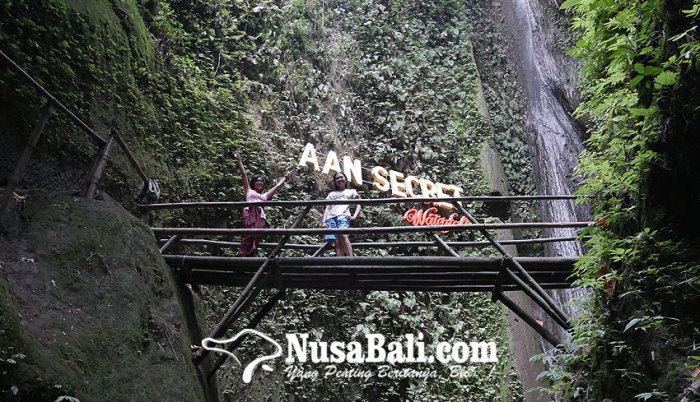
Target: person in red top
(254, 217)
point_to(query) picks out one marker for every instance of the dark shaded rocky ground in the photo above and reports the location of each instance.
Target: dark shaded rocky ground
(88, 306)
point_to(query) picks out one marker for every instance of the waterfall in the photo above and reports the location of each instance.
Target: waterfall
(554, 137)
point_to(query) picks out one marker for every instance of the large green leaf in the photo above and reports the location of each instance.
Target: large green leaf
(666, 78)
(568, 4)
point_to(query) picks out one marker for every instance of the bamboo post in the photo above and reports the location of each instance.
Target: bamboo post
(98, 168)
(171, 241)
(23, 161)
(228, 317)
(529, 320)
(441, 243)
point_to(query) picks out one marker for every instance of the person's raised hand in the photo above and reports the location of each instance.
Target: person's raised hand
(236, 155)
(289, 174)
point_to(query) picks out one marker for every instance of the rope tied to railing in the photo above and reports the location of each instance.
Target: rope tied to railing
(506, 259)
(148, 192)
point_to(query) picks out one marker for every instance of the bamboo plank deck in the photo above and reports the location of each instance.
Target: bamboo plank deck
(444, 274)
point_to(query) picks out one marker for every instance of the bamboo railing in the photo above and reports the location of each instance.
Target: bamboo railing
(52, 104)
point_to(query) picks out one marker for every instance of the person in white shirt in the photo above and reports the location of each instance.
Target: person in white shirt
(254, 217)
(338, 216)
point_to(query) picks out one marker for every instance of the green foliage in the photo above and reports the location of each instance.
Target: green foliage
(331, 80)
(14, 386)
(149, 71)
(347, 316)
(641, 315)
(392, 84)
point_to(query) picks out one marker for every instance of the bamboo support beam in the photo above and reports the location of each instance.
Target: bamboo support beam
(248, 294)
(446, 248)
(537, 289)
(529, 320)
(235, 308)
(171, 241)
(23, 161)
(535, 296)
(321, 249)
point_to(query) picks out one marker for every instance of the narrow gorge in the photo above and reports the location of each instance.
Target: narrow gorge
(509, 99)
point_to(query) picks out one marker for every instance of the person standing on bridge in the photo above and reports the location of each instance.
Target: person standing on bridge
(254, 217)
(338, 216)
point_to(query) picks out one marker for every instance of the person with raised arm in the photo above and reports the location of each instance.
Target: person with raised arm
(254, 217)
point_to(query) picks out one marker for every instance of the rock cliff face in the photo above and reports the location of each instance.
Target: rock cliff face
(88, 307)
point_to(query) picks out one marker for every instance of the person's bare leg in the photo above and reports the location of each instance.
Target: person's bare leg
(338, 247)
(347, 246)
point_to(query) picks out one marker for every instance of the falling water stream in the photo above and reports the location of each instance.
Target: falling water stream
(554, 137)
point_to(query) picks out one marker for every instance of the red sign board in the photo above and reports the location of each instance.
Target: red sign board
(430, 217)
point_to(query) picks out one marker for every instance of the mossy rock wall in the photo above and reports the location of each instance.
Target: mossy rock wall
(90, 307)
(126, 66)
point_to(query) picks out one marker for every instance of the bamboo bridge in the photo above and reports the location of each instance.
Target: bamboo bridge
(438, 268)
